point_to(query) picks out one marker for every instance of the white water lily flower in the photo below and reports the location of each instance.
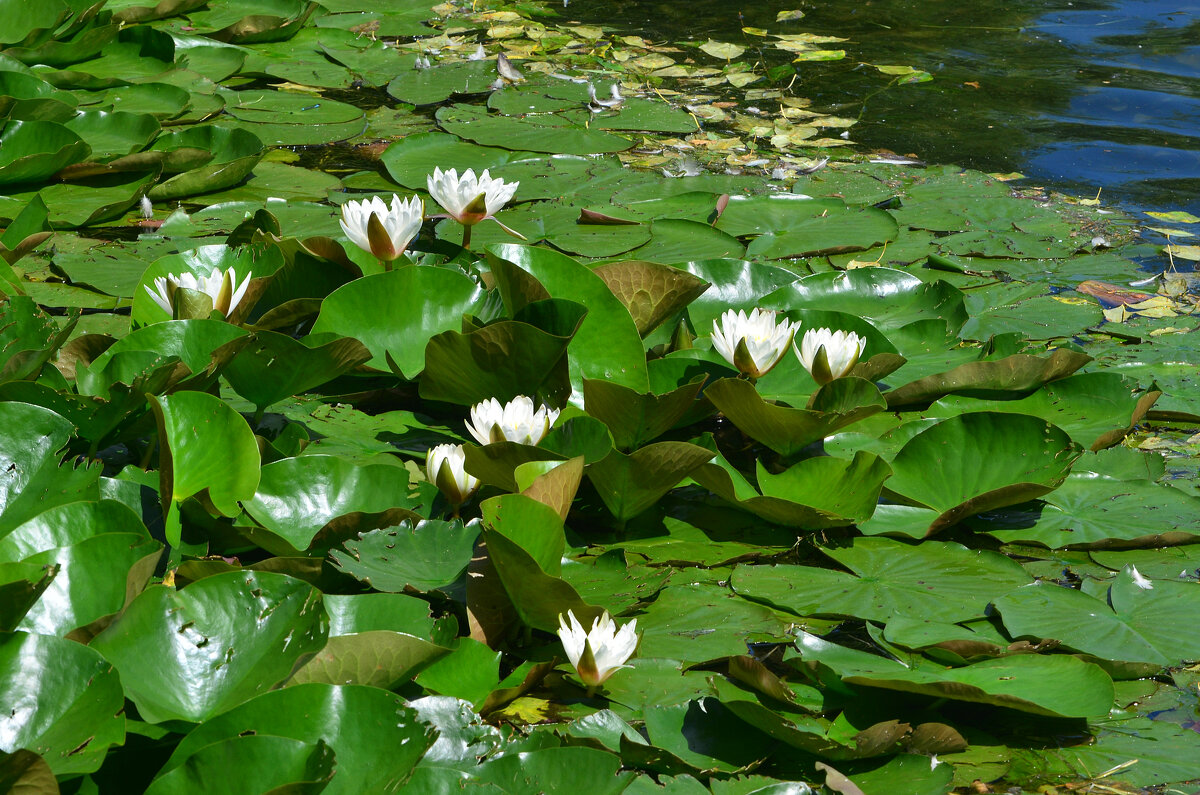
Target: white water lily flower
(469, 199)
(517, 421)
(829, 354)
(765, 341)
(1140, 580)
(393, 230)
(598, 653)
(220, 286)
(444, 467)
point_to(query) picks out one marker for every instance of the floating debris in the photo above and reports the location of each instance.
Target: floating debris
(507, 70)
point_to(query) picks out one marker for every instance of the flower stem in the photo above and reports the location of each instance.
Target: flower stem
(174, 534)
(466, 236)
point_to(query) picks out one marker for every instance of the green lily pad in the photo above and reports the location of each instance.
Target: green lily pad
(430, 554)
(1132, 625)
(35, 150)
(297, 497)
(813, 493)
(275, 366)
(1013, 374)
(981, 461)
(634, 418)
(232, 155)
(377, 739)
(65, 701)
(221, 641)
(786, 430)
(607, 345)
(206, 446)
(936, 580)
(91, 581)
(419, 302)
(630, 484)
(888, 299)
(539, 598)
(825, 231)
(264, 762)
(1057, 686)
(33, 445)
(540, 133)
(114, 134)
(1096, 409)
(439, 83)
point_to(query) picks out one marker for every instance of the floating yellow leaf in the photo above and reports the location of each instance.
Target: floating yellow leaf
(755, 31)
(808, 38)
(793, 136)
(707, 112)
(716, 143)
(1176, 217)
(834, 121)
(1008, 177)
(820, 55)
(1157, 306)
(739, 79)
(722, 49)
(589, 32)
(505, 31)
(1158, 332)
(671, 71)
(500, 16)
(1185, 252)
(652, 61)
(526, 710)
(789, 16)
(634, 41)
(1118, 314)
(1163, 230)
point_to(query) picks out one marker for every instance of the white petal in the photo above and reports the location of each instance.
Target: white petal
(1140, 580)
(159, 294)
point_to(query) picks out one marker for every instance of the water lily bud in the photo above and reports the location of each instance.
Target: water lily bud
(682, 338)
(444, 466)
(200, 295)
(598, 653)
(384, 231)
(517, 421)
(469, 199)
(752, 343)
(829, 354)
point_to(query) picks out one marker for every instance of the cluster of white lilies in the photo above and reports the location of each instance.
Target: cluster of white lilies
(752, 343)
(755, 343)
(386, 231)
(595, 653)
(371, 224)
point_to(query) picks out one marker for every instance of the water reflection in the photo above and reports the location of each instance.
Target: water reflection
(1076, 95)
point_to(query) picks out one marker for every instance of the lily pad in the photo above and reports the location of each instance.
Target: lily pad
(404, 297)
(937, 580)
(981, 461)
(230, 637)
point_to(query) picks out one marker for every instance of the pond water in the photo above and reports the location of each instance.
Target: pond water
(1079, 96)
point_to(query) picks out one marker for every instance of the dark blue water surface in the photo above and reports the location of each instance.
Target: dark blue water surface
(1078, 96)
